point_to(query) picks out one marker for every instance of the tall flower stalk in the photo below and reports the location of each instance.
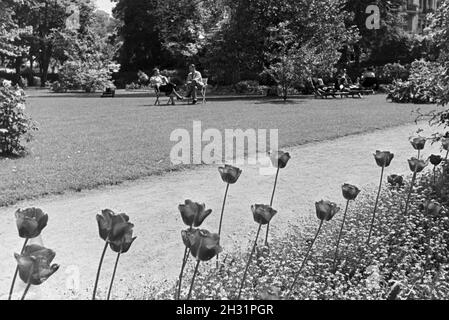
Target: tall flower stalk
(193, 214)
(262, 215)
(416, 166)
(30, 223)
(383, 160)
(229, 175)
(279, 160)
(116, 231)
(418, 143)
(435, 160)
(204, 246)
(325, 211)
(350, 193)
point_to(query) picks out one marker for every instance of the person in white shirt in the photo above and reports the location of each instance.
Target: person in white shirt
(162, 84)
(194, 82)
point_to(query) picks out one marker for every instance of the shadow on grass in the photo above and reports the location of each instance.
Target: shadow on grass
(281, 102)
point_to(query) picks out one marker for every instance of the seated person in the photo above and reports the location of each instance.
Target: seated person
(369, 79)
(162, 84)
(194, 82)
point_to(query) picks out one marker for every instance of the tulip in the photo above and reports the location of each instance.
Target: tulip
(262, 215)
(229, 175)
(418, 143)
(435, 160)
(203, 246)
(395, 180)
(325, 211)
(416, 166)
(34, 265)
(112, 228)
(193, 213)
(279, 159)
(432, 208)
(30, 223)
(121, 245)
(383, 160)
(350, 193)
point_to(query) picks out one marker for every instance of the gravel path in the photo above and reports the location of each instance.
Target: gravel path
(316, 171)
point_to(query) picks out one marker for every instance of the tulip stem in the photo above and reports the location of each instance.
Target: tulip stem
(249, 261)
(99, 270)
(113, 275)
(375, 206)
(184, 263)
(339, 236)
(271, 204)
(410, 191)
(306, 257)
(434, 176)
(222, 213)
(16, 272)
(28, 283)
(419, 153)
(193, 278)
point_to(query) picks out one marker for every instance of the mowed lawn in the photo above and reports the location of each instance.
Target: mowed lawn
(86, 141)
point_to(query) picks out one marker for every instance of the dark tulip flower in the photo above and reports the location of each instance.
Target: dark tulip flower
(326, 210)
(193, 213)
(35, 264)
(395, 180)
(432, 208)
(417, 165)
(205, 245)
(262, 213)
(418, 143)
(112, 226)
(123, 243)
(30, 222)
(435, 159)
(188, 236)
(350, 192)
(279, 159)
(383, 158)
(229, 174)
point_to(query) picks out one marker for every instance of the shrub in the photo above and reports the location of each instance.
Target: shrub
(15, 126)
(407, 258)
(86, 75)
(247, 86)
(392, 72)
(423, 86)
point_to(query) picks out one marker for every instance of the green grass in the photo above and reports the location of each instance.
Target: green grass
(85, 142)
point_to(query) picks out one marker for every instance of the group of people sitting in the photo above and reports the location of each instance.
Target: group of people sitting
(162, 84)
(343, 82)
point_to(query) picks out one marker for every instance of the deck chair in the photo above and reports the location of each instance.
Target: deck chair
(157, 92)
(202, 92)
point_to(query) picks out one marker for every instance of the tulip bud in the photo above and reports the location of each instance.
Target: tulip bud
(34, 264)
(350, 192)
(417, 165)
(383, 158)
(395, 180)
(123, 244)
(435, 159)
(193, 213)
(262, 213)
(326, 210)
(188, 236)
(30, 222)
(431, 208)
(205, 245)
(229, 174)
(279, 159)
(418, 143)
(112, 226)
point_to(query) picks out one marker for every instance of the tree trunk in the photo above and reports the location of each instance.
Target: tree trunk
(45, 63)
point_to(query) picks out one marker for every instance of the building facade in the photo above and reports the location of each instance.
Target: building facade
(415, 13)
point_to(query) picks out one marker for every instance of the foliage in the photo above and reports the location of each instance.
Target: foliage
(407, 258)
(423, 85)
(86, 75)
(15, 126)
(393, 71)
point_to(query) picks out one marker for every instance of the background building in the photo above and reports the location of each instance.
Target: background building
(415, 13)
